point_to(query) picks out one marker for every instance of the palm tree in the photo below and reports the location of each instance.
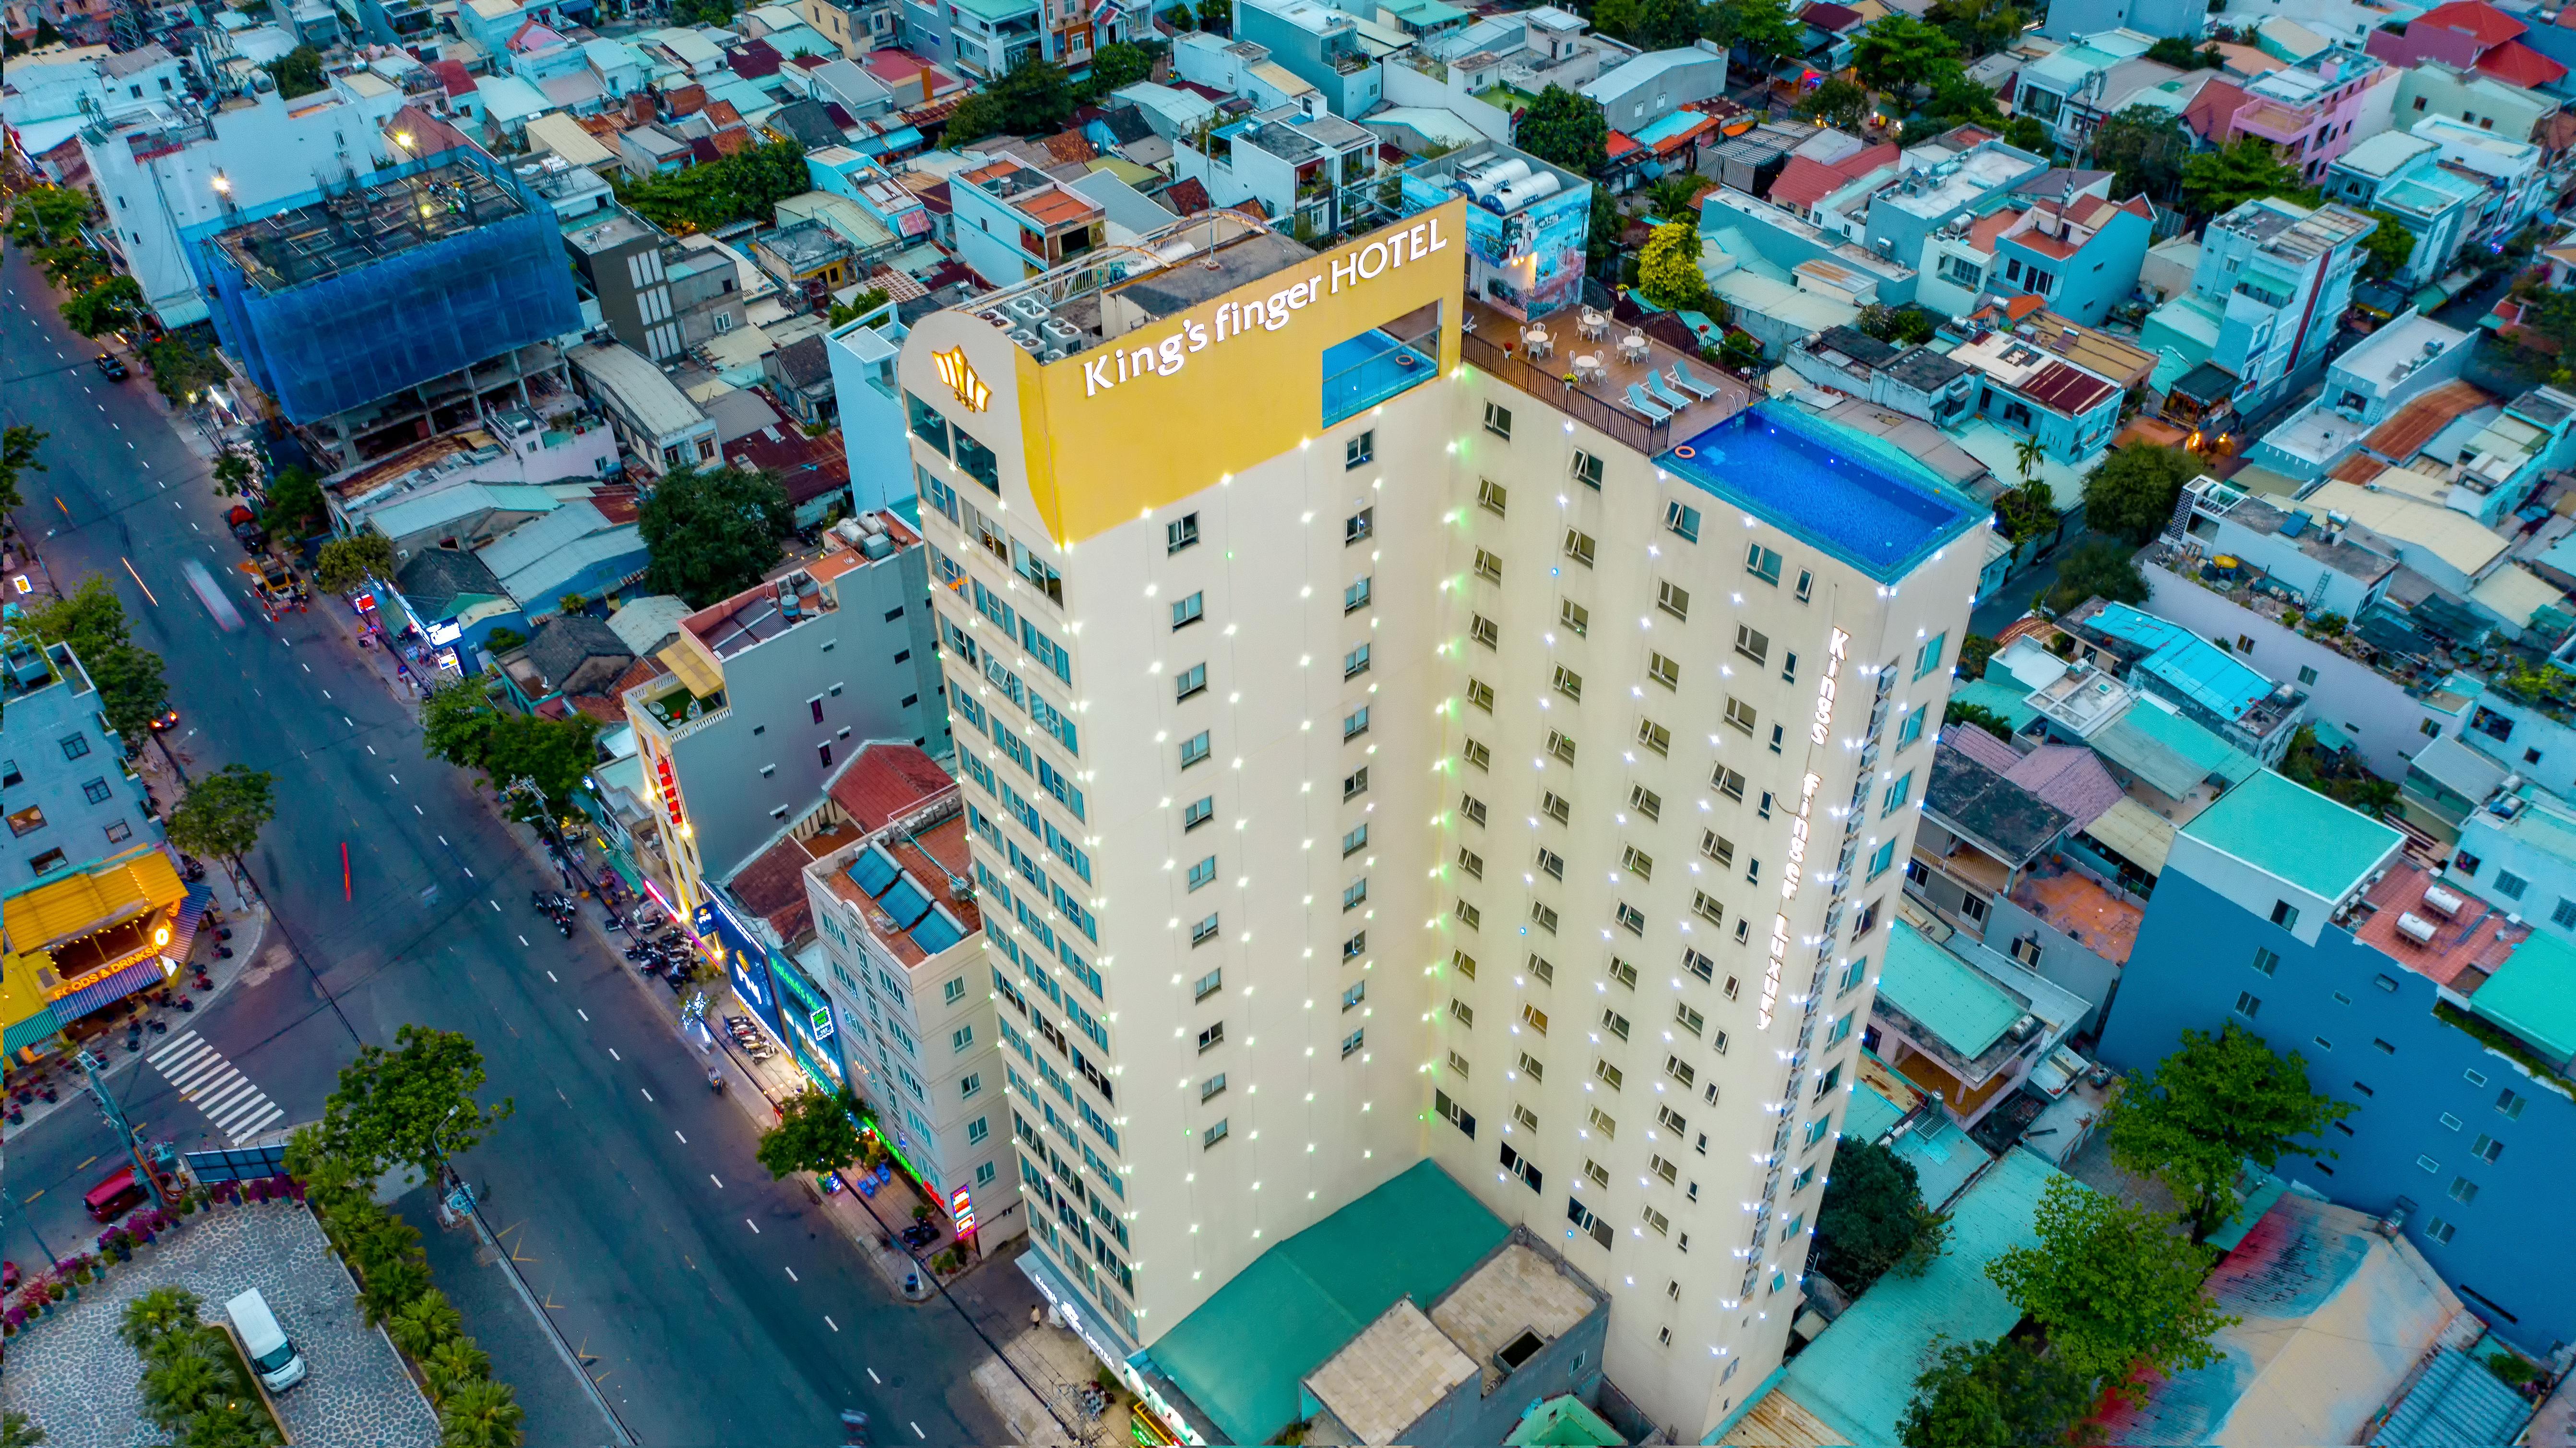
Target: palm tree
(481, 1414)
(453, 1363)
(180, 1384)
(17, 1432)
(424, 1323)
(156, 1314)
(2027, 455)
(390, 1287)
(235, 1423)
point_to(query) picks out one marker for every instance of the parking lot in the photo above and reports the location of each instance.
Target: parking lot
(78, 1381)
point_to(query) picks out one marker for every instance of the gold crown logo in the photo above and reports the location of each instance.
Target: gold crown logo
(960, 376)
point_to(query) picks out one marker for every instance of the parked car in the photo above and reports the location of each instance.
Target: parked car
(111, 366)
(271, 1354)
(119, 1194)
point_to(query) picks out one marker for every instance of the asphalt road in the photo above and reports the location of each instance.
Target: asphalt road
(712, 1305)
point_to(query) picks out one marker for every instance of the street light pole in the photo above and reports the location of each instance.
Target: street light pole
(94, 1071)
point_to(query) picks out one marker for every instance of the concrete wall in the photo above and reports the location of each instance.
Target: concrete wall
(2386, 723)
(2063, 960)
(2425, 1091)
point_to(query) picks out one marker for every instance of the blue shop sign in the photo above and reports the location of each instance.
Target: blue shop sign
(746, 961)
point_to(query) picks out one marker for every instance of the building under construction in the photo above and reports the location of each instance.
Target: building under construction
(394, 286)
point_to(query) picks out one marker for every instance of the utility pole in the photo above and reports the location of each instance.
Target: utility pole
(94, 1071)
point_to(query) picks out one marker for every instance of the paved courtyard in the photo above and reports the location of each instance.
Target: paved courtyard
(81, 1384)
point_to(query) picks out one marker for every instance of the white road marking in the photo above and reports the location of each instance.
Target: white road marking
(872, 1377)
(550, 975)
(585, 1015)
(675, 1131)
(389, 774)
(711, 1176)
(754, 1226)
(916, 1431)
(828, 1322)
(647, 1094)
(416, 809)
(326, 693)
(496, 906)
(791, 1275)
(523, 940)
(371, 749)
(468, 869)
(225, 1097)
(612, 1054)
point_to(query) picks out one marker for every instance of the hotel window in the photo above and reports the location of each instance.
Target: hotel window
(1929, 656)
(1682, 520)
(1203, 873)
(1354, 842)
(1587, 470)
(1498, 421)
(1194, 750)
(1806, 585)
(1360, 449)
(1654, 736)
(927, 424)
(1197, 812)
(1355, 783)
(1471, 862)
(1664, 670)
(1578, 546)
(1355, 893)
(1481, 694)
(1912, 728)
(1477, 754)
(1753, 644)
(1574, 616)
(1897, 794)
(1560, 745)
(1881, 858)
(1568, 683)
(1554, 806)
(1189, 610)
(1741, 716)
(1192, 680)
(1484, 631)
(1493, 497)
(1645, 802)
(977, 461)
(1208, 985)
(1182, 532)
(1762, 563)
(1471, 809)
(1356, 662)
(1355, 723)
(1673, 600)
(1489, 566)
(1358, 526)
(1543, 916)
(1630, 918)
(1356, 597)
(1728, 782)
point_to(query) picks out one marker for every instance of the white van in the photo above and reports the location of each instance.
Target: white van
(275, 1359)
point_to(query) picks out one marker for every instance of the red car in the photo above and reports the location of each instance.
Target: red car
(119, 1194)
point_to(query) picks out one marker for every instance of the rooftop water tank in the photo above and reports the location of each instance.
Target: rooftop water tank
(2415, 927)
(2441, 902)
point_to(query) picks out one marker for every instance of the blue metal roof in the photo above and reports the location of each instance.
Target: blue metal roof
(2456, 1402)
(2196, 669)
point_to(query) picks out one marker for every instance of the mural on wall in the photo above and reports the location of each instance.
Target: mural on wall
(1528, 260)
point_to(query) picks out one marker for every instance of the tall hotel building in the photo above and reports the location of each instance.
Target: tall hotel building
(1394, 768)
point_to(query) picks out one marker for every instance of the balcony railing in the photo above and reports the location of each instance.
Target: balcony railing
(1650, 438)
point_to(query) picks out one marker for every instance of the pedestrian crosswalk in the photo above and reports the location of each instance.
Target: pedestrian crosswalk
(208, 1082)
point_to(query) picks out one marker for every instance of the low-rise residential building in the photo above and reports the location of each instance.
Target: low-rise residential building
(656, 423)
(2468, 35)
(2081, 254)
(2474, 97)
(1314, 175)
(2321, 567)
(2443, 1023)
(94, 910)
(2072, 89)
(1964, 1023)
(768, 688)
(1919, 382)
(2364, 386)
(1336, 51)
(1014, 221)
(2069, 410)
(2273, 282)
(2403, 175)
(2203, 682)
(901, 935)
(1648, 87)
(2520, 183)
(2309, 114)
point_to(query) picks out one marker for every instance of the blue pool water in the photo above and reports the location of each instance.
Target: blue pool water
(1840, 489)
(1370, 368)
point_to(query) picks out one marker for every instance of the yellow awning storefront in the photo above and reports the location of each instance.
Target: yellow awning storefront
(52, 913)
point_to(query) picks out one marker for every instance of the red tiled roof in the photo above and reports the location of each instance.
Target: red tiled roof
(2476, 19)
(685, 100)
(755, 60)
(1804, 182)
(1621, 144)
(1187, 197)
(1070, 147)
(1830, 18)
(772, 887)
(453, 76)
(809, 62)
(606, 710)
(2213, 111)
(887, 782)
(721, 114)
(732, 141)
(2465, 948)
(2359, 468)
(642, 671)
(807, 467)
(2515, 63)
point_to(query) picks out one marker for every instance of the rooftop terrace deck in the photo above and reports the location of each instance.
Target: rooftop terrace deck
(1493, 343)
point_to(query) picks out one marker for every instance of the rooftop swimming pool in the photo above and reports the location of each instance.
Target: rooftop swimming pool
(1840, 489)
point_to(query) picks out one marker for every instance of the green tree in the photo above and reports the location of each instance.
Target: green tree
(18, 447)
(181, 369)
(2098, 568)
(480, 1414)
(1601, 242)
(1566, 129)
(1033, 99)
(154, 1315)
(550, 757)
(295, 505)
(1666, 24)
(2132, 494)
(745, 186)
(346, 565)
(1618, 19)
(298, 73)
(424, 1323)
(222, 813)
(233, 474)
(1978, 27)
(112, 304)
(1763, 29)
(389, 1287)
(1119, 64)
(452, 1363)
(2388, 248)
(702, 12)
(19, 1431)
(1837, 102)
(2197, 1117)
(1668, 268)
(74, 266)
(713, 533)
(2113, 1285)
(2246, 169)
(1676, 198)
(1978, 716)
(131, 691)
(1974, 652)
(456, 725)
(815, 1132)
(91, 618)
(2177, 51)
(47, 216)
(181, 1380)
(1182, 17)
(1956, 100)
(2144, 148)
(2000, 1394)
(1898, 53)
(1873, 1220)
(2027, 134)
(410, 1106)
(1216, 16)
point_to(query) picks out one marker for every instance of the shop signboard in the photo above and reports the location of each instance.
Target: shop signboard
(746, 961)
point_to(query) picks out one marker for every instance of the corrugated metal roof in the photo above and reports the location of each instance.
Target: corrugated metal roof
(1944, 994)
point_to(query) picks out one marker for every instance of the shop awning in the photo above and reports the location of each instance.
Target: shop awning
(108, 990)
(32, 1031)
(183, 931)
(52, 913)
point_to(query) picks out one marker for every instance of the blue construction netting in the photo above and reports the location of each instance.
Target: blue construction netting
(375, 328)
